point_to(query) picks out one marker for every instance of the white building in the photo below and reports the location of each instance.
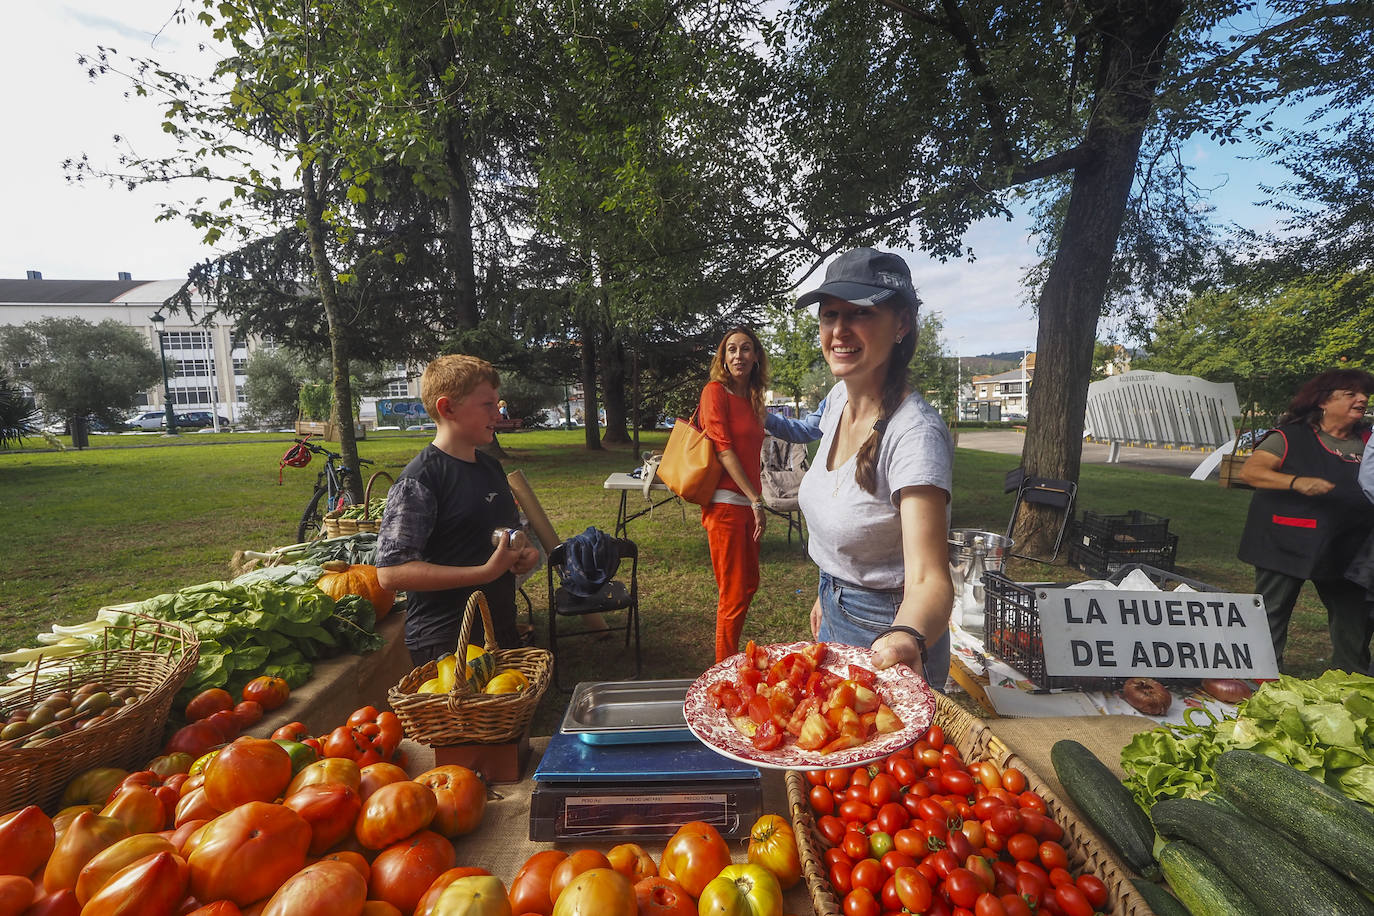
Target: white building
(205, 365)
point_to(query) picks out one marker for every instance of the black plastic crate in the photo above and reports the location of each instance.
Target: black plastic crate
(1011, 623)
(1102, 532)
(1102, 562)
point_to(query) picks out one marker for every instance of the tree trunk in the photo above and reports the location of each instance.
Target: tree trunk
(341, 412)
(460, 248)
(613, 371)
(590, 407)
(1071, 301)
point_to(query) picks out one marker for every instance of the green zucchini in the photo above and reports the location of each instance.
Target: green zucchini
(1201, 884)
(1271, 871)
(1317, 818)
(1107, 805)
(1161, 901)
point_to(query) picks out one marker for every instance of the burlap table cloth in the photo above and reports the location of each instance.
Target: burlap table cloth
(1032, 739)
(502, 844)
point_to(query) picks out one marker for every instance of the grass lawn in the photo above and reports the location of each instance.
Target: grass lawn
(135, 516)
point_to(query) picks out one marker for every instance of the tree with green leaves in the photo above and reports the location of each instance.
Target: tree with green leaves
(794, 349)
(920, 119)
(18, 414)
(271, 388)
(80, 370)
(1268, 343)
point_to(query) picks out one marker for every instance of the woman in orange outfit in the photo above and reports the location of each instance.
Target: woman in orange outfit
(731, 410)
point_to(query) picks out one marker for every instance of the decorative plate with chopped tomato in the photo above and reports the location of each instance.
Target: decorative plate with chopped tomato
(799, 706)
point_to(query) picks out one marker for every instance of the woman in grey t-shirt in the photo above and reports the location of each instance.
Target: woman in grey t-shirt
(876, 498)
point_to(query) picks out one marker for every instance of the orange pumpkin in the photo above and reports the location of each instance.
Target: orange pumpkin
(342, 579)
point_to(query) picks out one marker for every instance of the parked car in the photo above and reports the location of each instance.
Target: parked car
(1249, 439)
(199, 419)
(148, 420)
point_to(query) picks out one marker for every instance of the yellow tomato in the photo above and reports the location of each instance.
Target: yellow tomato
(475, 895)
(742, 890)
(773, 845)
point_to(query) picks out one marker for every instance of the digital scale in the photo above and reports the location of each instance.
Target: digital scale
(597, 782)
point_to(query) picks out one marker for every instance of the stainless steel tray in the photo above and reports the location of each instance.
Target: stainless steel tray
(628, 712)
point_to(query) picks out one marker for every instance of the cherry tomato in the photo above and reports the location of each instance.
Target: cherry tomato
(1053, 856)
(943, 862)
(893, 817)
(929, 757)
(1031, 868)
(959, 845)
(963, 887)
(990, 776)
(1022, 847)
(868, 874)
(832, 828)
(879, 844)
(910, 842)
(836, 780)
(815, 777)
(1008, 821)
(1030, 887)
(837, 854)
(860, 811)
(855, 845)
(993, 840)
(1013, 780)
(861, 902)
(822, 801)
(1006, 876)
(895, 860)
(904, 770)
(1093, 888)
(989, 905)
(854, 793)
(982, 870)
(932, 810)
(913, 890)
(957, 782)
(1060, 876)
(1072, 901)
(986, 807)
(882, 790)
(860, 776)
(1015, 906)
(841, 877)
(1032, 801)
(936, 737)
(977, 836)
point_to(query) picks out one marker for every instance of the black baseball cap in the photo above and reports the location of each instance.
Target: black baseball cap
(866, 276)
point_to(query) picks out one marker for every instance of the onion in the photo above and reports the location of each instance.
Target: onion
(1228, 690)
(1147, 695)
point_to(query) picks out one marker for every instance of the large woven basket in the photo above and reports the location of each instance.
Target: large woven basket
(1086, 850)
(335, 525)
(152, 656)
(463, 716)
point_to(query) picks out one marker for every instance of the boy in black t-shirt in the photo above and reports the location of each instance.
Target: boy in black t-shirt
(435, 538)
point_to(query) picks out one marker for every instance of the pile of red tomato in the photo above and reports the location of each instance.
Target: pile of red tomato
(925, 832)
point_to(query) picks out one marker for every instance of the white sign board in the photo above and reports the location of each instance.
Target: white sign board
(1112, 633)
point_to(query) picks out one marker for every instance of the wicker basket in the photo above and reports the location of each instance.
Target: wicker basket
(975, 742)
(335, 525)
(152, 656)
(462, 716)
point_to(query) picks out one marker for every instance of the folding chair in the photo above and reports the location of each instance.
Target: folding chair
(784, 465)
(1039, 491)
(613, 596)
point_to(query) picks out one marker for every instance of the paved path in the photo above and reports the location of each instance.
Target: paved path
(1162, 460)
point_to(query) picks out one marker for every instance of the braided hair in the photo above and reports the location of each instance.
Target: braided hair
(894, 393)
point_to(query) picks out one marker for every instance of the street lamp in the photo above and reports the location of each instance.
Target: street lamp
(160, 323)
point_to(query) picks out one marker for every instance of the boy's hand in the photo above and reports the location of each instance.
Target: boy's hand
(503, 558)
(529, 559)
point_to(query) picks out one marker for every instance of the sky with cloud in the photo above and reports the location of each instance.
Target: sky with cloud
(93, 231)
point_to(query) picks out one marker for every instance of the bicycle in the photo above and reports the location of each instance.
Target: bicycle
(329, 492)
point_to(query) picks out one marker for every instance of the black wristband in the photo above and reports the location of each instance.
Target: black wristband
(910, 631)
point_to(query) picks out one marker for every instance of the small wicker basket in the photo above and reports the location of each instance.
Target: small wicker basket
(335, 525)
(1087, 852)
(463, 716)
(151, 656)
